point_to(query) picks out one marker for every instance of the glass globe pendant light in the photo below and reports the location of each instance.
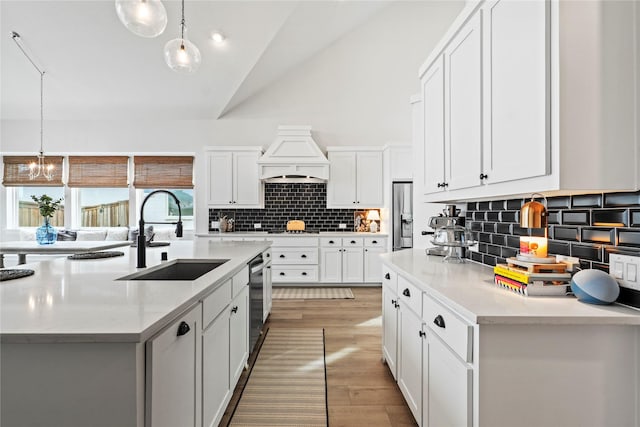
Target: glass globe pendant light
(145, 18)
(180, 54)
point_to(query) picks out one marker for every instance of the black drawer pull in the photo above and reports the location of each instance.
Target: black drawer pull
(406, 293)
(484, 176)
(268, 255)
(282, 273)
(387, 276)
(304, 273)
(396, 305)
(281, 256)
(439, 321)
(422, 334)
(183, 328)
(353, 242)
(331, 242)
(303, 256)
(375, 242)
(234, 309)
(394, 302)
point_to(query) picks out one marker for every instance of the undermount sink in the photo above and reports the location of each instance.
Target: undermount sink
(179, 269)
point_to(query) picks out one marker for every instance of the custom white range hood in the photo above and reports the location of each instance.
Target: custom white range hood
(294, 156)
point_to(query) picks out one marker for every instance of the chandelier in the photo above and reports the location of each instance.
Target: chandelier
(39, 168)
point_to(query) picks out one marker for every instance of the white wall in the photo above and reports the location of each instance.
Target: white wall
(355, 92)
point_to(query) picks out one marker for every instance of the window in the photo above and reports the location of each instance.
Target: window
(162, 208)
(28, 212)
(103, 207)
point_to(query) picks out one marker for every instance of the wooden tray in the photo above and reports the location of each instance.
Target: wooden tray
(532, 267)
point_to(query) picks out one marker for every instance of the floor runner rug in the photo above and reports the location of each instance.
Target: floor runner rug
(287, 384)
(312, 293)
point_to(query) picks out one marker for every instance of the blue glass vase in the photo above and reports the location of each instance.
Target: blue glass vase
(46, 234)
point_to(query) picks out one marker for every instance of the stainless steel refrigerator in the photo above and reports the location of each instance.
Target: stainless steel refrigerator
(402, 215)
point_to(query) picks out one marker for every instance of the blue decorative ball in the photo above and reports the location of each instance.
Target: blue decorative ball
(594, 287)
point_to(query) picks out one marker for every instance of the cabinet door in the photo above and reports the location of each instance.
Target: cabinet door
(372, 264)
(433, 154)
(352, 265)
(516, 63)
(450, 387)
(239, 335)
(267, 290)
(341, 188)
(390, 329)
(220, 178)
(463, 85)
(246, 184)
(173, 372)
(216, 389)
(330, 265)
(410, 360)
(369, 179)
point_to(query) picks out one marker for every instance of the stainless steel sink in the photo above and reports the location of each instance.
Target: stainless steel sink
(179, 269)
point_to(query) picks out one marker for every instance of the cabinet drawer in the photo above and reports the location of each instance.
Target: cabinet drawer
(352, 242)
(293, 273)
(389, 279)
(213, 304)
(239, 281)
(375, 242)
(410, 295)
(454, 331)
(295, 255)
(293, 241)
(330, 241)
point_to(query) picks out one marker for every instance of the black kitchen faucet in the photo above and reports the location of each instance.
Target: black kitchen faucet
(142, 254)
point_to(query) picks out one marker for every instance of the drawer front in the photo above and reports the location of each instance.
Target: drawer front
(390, 279)
(239, 281)
(293, 273)
(295, 256)
(293, 241)
(375, 242)
(455, 332)
(410, 295)
(328, 242)
(214, 303)
(356, 242)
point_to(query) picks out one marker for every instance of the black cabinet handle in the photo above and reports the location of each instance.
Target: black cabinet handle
(387, 276)
(234, 309)
(425, 233)
(358, 201)
(303, 256)
(396, 305)
(440, 184)
(304, 273)
(354, 201)
(406, 292)
(268, 266)
(268, 255)
(366, 250)
(353, 242)
(331, 242)
(483, 176)
(422, 334)
(439, 321)
(183, 328)
(282, 273)
(445, 184)
(375, 242)
(394, 302)
(230, 201)
(281, 256)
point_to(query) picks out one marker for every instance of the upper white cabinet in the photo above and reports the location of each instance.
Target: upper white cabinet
(233, 177)
(516, 91)
(356, 178)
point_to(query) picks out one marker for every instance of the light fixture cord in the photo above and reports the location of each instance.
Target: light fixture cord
(182, 22)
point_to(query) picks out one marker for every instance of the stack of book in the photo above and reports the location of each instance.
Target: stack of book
(528, 281)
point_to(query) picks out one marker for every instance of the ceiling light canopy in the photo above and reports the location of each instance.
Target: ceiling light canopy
(218, 37)
(145, 18)
(180, 54)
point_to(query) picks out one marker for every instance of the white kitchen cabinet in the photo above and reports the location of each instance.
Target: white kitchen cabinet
(238, 334)
(410, 358)
(216, 386)
(173, 373)
(295, 259)
(352, 265)
(433, 145)
(233, 178)
(390, 308)
(373, 247)
(351, 259)
(356, 178)
(331, 264)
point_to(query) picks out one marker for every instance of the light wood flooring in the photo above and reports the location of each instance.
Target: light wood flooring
(360, 389)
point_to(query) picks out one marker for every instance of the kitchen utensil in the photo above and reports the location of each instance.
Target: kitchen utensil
(455, 239)
(295, 225)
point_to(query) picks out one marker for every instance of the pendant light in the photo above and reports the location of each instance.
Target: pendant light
(145, 18)
(39, 168)
(180, 54)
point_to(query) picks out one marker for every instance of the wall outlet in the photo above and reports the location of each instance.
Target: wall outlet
(626, 270)
(257, 225)
(342, 226)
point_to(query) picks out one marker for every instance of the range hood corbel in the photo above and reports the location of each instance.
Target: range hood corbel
(294, 157)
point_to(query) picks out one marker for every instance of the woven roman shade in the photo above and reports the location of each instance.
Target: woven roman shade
(16, 172)
(98, 171)
(163, 172)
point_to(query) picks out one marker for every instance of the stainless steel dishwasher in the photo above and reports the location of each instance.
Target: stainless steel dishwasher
(256, 300)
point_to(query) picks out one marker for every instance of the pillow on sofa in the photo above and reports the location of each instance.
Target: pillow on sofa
(86, 235)
(27, 234)
(164, 234)
(148, 233)
(117, 233)
(67, 235)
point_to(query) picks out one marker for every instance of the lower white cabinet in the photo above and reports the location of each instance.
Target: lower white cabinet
(410, 359)
(216, 385)
(351, 259)
(372, 266)
(173, 373)
(390, 308)
(239, 334)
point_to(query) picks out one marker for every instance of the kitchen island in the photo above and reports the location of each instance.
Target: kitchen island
(80, 347)
(467, 352)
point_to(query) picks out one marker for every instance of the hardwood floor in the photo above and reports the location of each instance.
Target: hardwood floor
(360, 389)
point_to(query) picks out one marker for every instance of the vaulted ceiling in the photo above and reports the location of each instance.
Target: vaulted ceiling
(96, 69)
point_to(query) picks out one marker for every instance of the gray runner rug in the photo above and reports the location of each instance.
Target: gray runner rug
(312, 293)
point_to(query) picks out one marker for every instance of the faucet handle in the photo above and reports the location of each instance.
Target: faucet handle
(179, 229)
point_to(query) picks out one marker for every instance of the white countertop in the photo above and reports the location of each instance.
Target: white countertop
(62, 247)
(265, 234)
(469, 290)
(81, 300)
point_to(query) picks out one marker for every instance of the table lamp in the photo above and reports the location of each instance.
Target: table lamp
(533, 214)
(372, 217)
